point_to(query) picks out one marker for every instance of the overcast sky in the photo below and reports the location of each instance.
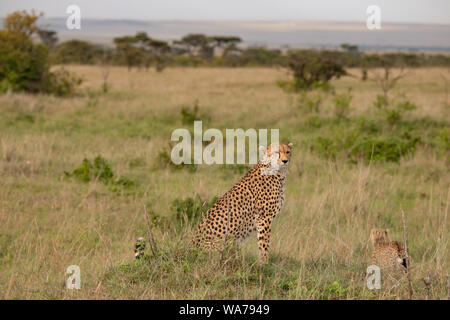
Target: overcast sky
(409, 11)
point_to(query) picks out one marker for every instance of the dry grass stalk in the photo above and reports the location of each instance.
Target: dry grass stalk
(408, 261)
(152, 242)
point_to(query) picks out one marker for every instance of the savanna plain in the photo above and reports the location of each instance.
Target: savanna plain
(76, 173)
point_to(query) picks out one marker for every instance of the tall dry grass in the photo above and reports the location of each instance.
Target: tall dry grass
(320, 246)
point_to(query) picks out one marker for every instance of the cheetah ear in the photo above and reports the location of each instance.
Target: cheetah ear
(290, 145)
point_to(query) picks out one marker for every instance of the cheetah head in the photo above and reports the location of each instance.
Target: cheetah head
(277, 154)
(378, 235)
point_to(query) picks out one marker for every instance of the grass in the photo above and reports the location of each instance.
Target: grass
(320, 243)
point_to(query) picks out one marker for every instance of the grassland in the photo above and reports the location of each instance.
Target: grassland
(320, 245)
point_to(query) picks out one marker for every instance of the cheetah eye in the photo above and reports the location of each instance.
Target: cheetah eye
(287, 152)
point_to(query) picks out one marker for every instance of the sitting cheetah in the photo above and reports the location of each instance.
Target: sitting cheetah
(388, 255)
(250, 205)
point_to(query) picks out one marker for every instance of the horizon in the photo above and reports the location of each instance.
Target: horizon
(400, 11)
(250, 20)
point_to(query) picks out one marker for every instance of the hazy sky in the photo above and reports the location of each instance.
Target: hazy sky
(415, 11)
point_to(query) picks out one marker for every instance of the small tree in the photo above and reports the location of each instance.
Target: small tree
(387, 78)
(128, 51)
(312, 68)
(77, 51)
(24, 65)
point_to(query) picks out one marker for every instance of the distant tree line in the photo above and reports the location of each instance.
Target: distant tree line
(25, 63)
(142, 51)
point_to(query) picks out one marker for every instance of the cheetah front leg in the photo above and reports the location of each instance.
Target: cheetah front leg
(263, 227)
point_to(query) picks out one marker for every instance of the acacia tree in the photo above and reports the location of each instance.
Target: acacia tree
(386, 78)
(194, 43)
(151, 50)
(310, 68)
(128, 51)
(204, 46)
(227, 43)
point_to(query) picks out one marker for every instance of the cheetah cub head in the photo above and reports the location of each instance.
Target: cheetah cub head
(278, 155)
(378, 235)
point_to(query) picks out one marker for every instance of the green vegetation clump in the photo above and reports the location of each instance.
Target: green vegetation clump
(357, 147)
(191, 210)
(310, 103)
(341, 104)
(163, 161)
(24, 65)
(383, 149)
(98, 170)
(313, 68)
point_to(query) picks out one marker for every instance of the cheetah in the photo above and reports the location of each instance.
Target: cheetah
(250, 205)
(388, 255)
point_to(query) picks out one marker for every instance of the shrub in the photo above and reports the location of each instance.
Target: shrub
(63, 83)
(406, 106)
(342, 105)
(311, 68)
(325, 147)
(444, 139)
(24, 66)
(164, 161)
(389, 149)
(368, 148)
(310, 103)
(78, 51)
(393, 117)
(191, 210)
(98, 169)
(380, 102)
(189, 115)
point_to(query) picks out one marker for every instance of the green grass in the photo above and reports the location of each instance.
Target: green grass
(338, 188)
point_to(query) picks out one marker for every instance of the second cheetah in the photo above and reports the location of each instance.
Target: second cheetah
(251, 205)
(388, 255)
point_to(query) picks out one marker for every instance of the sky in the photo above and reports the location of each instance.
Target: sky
(401, 11)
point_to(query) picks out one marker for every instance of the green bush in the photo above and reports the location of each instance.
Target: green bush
(98, 170)
(389, 149)
(355, 147)
(63, 83)
(341, 104)
(164, 161)
(79, 52)
(380, 102)
(326, 147)
(406, 106)
(191, 210)
(24, 66)
(312, 68)
(393, 117)
(310, 103)
(189, 115)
